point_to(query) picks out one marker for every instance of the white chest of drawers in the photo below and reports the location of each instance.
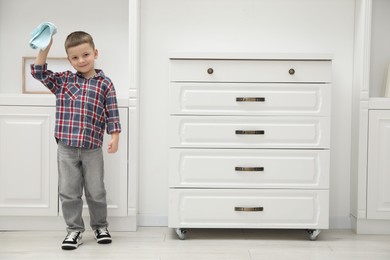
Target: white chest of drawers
(249, 142)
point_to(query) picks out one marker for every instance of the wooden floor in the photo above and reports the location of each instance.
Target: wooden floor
(162, 243)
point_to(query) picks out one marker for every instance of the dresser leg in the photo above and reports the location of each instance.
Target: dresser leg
(313, 234)
(181, 233)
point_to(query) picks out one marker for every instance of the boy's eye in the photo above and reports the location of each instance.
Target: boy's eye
(86, 54)
(74, 58)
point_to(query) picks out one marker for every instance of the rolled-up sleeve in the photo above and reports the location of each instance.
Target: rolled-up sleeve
(112, 112)
(53, 81)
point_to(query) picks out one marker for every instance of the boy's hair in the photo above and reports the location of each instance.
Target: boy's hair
(77, 38)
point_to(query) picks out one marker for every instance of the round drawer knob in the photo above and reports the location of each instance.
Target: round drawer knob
(210, 71)
(291, 71)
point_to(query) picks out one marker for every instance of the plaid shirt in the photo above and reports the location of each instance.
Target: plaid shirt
(83, 106)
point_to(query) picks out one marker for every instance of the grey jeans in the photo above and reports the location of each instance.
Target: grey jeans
(80, 168)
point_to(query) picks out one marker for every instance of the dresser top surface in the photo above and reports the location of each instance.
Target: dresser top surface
(249, 56)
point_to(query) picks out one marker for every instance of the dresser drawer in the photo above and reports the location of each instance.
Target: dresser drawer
(249, 132)
(249, 99)
(234, 208)
(251, 70)
(249, 168)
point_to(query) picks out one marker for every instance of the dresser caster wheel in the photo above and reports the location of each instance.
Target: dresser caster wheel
(181, 233)
(313, 234)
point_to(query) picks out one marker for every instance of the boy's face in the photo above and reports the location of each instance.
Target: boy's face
(82, 58)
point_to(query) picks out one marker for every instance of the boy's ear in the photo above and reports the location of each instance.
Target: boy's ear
(96, 53)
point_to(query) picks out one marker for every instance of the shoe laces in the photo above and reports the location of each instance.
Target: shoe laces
(102, 231)
(72, 235)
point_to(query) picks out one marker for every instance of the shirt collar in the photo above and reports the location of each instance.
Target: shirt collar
(99, 74)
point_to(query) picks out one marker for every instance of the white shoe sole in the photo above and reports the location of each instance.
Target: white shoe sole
(67, 246)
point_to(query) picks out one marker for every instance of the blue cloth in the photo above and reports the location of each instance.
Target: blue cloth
(41, 36)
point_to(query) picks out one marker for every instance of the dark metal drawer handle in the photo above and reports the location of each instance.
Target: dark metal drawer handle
(248, 208)
(249, 132)
(249, 169)
(250, 99)
(210, 71)
(291, 71)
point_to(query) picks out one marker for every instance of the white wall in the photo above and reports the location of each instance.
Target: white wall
(250, 26)
(192, 25)
(105, 21)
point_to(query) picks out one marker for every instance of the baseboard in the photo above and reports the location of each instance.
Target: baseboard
(145, 220)
(340, 223)
(57, 223)
(129, 223)
(370, 227)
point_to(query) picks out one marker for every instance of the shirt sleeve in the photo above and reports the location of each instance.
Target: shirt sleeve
(53, 81)
(112, 112)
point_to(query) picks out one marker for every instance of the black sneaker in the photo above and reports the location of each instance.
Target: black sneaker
(102, 236)
(72, 240)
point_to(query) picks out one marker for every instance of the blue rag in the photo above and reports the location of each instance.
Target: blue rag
(41, 36)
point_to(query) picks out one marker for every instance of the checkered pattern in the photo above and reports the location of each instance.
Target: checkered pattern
(83, 106)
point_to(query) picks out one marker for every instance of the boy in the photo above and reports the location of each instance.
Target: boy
(85, 104)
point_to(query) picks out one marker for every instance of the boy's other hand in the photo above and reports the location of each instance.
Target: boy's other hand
(113, 143)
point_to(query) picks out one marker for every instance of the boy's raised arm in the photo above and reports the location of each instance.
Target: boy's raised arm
(42, 55)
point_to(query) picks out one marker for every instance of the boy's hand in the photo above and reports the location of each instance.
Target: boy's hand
(113, 143)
